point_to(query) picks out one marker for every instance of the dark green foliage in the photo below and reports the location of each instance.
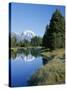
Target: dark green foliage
(36, 41)
(20, 44)
(26, 43)
(54, 36)
(13, 41)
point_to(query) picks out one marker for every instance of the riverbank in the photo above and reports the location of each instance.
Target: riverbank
(16, 48)
(53, 72)
(26, 47)
(54, 54)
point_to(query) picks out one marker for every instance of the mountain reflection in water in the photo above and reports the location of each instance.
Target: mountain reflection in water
(27, 58)
(25, 62)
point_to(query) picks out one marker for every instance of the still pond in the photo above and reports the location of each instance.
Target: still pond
(25, 62)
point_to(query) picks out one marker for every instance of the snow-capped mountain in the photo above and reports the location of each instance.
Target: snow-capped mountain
(27, 35)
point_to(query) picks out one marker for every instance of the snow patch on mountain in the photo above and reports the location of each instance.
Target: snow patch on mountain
(26, 35)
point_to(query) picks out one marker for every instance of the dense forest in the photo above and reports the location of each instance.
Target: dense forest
(54, 36)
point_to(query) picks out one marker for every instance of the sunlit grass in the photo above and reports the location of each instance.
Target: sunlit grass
(53, 54)
(52, 73)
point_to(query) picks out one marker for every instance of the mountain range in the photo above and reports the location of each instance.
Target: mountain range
(26, 35)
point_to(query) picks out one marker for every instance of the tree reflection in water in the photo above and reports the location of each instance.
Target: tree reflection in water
(13, 54)
(45, 61)
(28, 54)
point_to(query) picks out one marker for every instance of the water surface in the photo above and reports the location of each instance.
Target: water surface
(24, 63)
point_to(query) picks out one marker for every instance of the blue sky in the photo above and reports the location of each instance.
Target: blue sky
(33, 17)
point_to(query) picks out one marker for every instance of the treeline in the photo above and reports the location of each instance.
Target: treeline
(35, 41)
(54, 36)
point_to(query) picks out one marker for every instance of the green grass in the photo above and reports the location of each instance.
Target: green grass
(14, 49)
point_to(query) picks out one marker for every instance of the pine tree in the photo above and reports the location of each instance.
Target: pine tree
(54, 36)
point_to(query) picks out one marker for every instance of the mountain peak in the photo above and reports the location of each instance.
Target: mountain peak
(29, 32)
(26, 35)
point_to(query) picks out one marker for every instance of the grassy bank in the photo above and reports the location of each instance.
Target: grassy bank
(54, 54)
(26, 47)
(53, 72)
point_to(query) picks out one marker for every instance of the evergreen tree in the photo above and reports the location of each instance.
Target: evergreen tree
(54, 36)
